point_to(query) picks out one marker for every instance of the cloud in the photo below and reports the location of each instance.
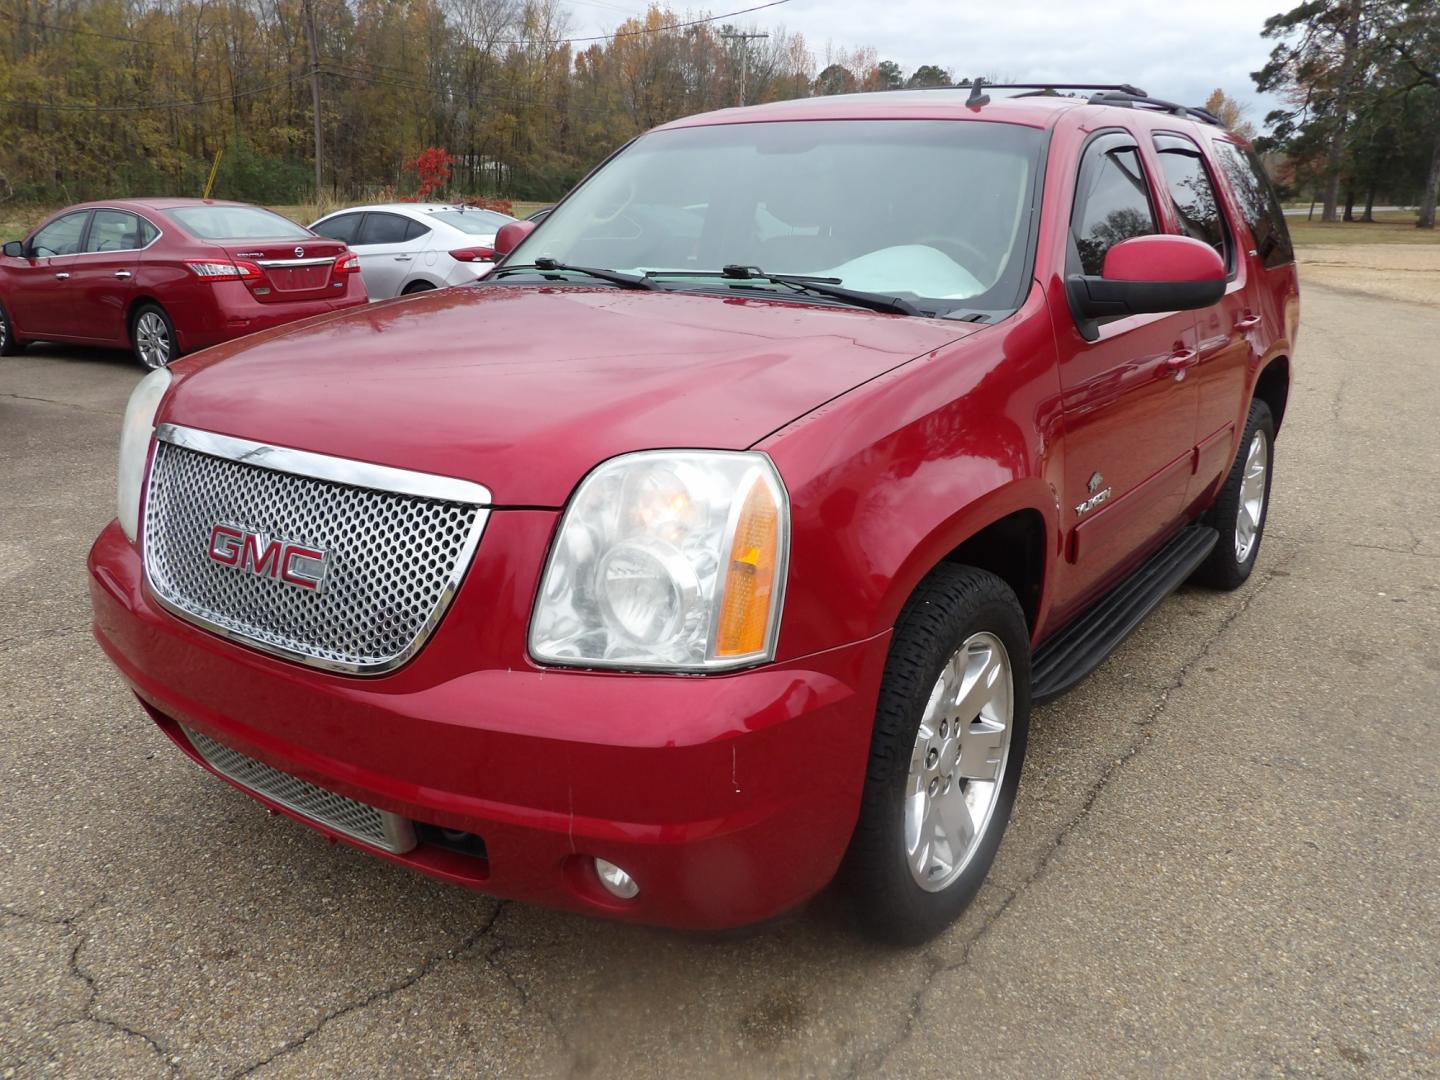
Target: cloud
(1178, 49)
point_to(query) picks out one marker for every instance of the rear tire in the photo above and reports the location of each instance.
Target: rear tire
(152, 336)
(1242, 506)
(9, 345)
(416, 286)
(945, 755)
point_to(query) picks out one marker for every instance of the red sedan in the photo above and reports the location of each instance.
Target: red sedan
(167, 276)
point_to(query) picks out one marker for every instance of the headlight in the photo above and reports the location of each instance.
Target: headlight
(667, 559)
(135, 433)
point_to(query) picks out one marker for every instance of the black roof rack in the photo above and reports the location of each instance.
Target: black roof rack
(1121, 94)
(1130, 101)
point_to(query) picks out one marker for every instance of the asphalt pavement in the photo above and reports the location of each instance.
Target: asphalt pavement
(1223, 861)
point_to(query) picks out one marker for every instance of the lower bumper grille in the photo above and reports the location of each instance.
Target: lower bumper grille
(387, 831)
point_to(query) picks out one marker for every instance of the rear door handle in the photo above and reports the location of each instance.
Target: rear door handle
(62, 276)
(123, 274)
(1249, 322)
(403, 258)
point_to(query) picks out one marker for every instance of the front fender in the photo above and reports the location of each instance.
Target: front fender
(888, 480)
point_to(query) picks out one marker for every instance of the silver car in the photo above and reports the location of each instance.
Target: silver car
(411, 247)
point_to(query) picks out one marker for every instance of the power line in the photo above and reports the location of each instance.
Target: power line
(20, 20)
(648, 29)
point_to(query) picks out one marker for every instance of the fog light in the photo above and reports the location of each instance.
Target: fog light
(616, 881)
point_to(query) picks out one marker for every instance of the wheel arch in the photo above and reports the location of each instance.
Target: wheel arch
(1272, 386)
(133, 308)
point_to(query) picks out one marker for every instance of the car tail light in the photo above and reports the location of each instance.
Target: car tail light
(349, 263)
(238, 270)
(474, 254)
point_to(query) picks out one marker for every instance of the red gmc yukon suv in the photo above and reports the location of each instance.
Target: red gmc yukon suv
(721, 540)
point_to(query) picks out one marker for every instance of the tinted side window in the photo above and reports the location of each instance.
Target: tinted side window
(61, 236)
(114, 230)
(414, 230)
(383, 229)
(1196, 203)
(1111, 204)
(340, 228)
(1258, 202)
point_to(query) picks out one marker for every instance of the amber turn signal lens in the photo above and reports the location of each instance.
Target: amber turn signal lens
(750, 575)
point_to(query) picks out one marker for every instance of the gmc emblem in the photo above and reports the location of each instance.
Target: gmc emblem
(294, 564)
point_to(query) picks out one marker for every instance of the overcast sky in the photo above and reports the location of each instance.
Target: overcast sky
(1175, 49)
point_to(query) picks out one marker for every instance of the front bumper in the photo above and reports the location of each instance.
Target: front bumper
(728, 798)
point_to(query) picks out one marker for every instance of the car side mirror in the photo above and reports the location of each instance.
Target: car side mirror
(510, 235)
(15, 249)
(1150, 274)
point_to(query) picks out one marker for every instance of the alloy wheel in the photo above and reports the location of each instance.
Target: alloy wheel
(1252, 496)
(958, 763)
(152, 340)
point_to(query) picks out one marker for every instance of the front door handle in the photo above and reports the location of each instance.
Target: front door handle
(1249, 322)
(1178, 362)
(61, 275)
(123, 274)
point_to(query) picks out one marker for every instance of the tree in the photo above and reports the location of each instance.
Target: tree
(1321, 65)
(889, 75)
(1409, 37)
(930, 75)
(835, 79)
(1230, 113)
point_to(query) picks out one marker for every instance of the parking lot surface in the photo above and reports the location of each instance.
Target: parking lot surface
(1223, 859)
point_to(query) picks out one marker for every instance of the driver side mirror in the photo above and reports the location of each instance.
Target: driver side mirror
(15, 249)
(1150, 274)
(510, 235)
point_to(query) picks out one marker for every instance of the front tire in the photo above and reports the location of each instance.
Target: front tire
(945, 756)
(9, 346)
(1242, 506)
(152, 335)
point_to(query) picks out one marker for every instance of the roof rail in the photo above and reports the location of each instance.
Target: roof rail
(1123, 88)
(1129, 101)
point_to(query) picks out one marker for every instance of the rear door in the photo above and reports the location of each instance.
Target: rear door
(102, 280)
(387, 247)
(1224, 347)
(38, 296)
(1128, 404)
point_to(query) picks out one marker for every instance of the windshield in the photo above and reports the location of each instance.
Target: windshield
(934, 210)
(474, 222)
(237, 223)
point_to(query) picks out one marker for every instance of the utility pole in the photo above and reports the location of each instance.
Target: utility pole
(744, 40)
(308, 14)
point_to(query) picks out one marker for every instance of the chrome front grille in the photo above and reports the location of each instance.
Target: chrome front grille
(345, 815)
(396, 545)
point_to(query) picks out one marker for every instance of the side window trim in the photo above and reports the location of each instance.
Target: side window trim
(140, 219)
(1098, 145)
(1227, 226)
(87, 213)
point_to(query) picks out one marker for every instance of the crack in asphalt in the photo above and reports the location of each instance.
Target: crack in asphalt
(579, 1066)
(426, 967)
(62, 404)
(868, 1064)
(91, 1014)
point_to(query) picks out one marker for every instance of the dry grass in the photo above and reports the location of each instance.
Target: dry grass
(1393, 227)
(1410, 273)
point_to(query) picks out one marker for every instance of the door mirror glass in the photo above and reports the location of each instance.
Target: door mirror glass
(15, 249)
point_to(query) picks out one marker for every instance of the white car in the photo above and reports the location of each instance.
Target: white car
(411, 247)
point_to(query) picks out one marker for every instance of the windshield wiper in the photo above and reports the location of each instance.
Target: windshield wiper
(822, 286)
(550, 266)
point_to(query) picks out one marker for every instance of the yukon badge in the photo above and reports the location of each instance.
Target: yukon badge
(1096, 496)
(279, 560)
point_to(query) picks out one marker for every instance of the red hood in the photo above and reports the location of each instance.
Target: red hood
(525, 390)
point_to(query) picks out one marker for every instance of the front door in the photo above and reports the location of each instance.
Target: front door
(387, 245)
(39, 292)
(1129, 404)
